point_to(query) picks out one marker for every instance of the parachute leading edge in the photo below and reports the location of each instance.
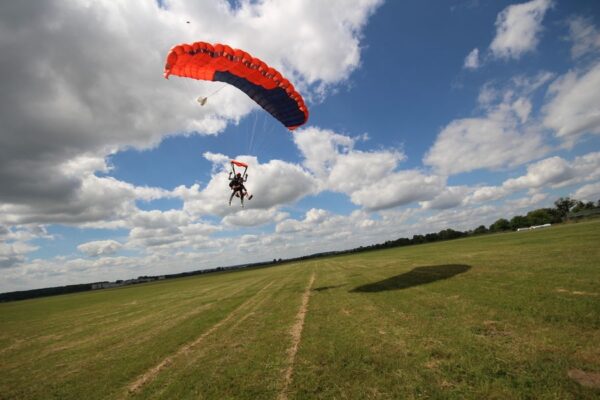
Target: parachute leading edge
(265, 85)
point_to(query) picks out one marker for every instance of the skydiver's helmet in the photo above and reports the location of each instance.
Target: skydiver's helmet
(239, 175)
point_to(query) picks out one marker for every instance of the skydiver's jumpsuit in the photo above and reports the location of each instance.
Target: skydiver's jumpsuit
(237, 186)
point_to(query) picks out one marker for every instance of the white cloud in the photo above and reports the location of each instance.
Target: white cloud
(147, 238)
(486, 193)
(157, 231)
(590, 192)
(273, 184)
(85, 77)
(493, 142)
(100, 248)
(321, 230)
(12, 254)
(452, 196)
(472, 59)
(99, 201)
(573, 108)
(321, 148)
(155, 219)
(397, 189)
(527, 202)
(518, 27)
(551, 171)
(584, 35)
(505, 136)
(370, 178)
(460, 219)
(254, 217)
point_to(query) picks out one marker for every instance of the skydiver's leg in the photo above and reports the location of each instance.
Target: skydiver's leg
(231, 197)
(246, 192)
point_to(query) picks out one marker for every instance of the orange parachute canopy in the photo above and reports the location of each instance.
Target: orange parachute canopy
(219, 62)
(239, 163)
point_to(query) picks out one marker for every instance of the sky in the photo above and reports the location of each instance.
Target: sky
(424, 115)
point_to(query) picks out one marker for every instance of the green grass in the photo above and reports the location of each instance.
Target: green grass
(497, 316)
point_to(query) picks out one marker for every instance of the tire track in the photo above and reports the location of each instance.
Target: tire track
(153, 372)
(296, 333)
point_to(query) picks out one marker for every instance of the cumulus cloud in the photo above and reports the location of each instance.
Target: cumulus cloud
(518, 28)
(552, 172)
(155, 231)
(493, 142)
(254, 217)
(275, 183)
(590, 192)
(12, 254)
(472, 59)
(156, 219)
(397, 189)
(100, 248)
(451, 196)
(100, 202)
(322, 230)
(486, 193)
(527, 202)
(370, 178)
(573, 106)
(504, 136)
(86, 78)
(460, 218)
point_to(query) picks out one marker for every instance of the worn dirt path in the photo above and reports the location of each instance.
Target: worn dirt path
(296, 333)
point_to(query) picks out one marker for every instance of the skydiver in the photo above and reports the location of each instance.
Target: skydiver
(238, 188)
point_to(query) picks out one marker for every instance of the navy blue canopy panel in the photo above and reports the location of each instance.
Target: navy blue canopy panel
(275, 101)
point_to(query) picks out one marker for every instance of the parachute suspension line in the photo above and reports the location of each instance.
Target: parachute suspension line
(245, 174)
(253, 133)
(216, 91)
(203, 100)
(266, 131)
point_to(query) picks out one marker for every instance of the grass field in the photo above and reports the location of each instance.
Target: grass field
(505, 316)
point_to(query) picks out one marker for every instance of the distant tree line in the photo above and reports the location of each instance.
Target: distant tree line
(564, 209)
(30, 294)
(57, 290)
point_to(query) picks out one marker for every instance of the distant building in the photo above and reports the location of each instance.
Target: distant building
(104, 285)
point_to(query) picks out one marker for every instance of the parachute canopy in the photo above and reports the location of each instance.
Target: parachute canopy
(265, 85)
(239, 163)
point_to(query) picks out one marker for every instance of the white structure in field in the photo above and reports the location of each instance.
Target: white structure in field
(534, 227)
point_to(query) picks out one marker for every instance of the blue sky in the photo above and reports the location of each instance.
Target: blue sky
(423, 116)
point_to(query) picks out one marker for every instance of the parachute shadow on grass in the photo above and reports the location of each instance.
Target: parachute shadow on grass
(415, 277)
